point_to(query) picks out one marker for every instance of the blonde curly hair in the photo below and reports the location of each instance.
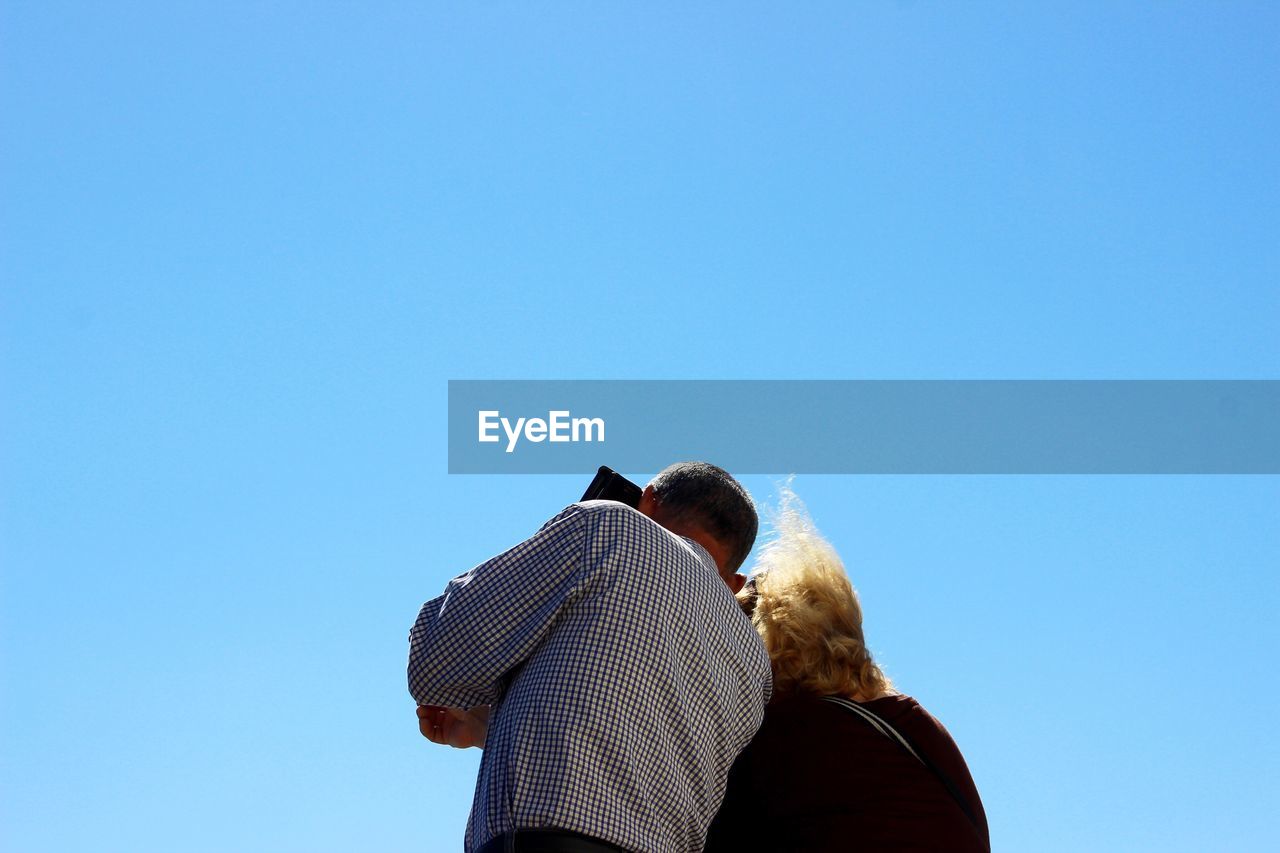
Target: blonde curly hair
(806, 610)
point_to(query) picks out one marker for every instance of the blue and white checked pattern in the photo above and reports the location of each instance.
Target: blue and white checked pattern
(634, 680)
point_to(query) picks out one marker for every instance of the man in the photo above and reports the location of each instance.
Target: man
(623, 677)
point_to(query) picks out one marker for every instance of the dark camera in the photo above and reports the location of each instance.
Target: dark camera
(609, 485)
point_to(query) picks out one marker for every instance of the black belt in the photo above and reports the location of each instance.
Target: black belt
(547, 841)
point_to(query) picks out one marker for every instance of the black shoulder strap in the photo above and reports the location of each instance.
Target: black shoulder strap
(880, 725)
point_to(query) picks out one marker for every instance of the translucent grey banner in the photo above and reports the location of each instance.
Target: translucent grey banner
(866, 427)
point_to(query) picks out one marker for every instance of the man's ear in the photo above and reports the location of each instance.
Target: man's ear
(648, 502)
(736, 582)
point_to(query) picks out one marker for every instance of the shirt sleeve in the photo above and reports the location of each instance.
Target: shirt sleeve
(489, 620)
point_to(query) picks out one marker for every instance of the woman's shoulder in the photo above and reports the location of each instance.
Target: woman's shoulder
(905, 712)
(799, 704)
(806, 712)
(810, 713)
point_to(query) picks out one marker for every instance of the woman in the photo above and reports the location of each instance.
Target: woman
(822, 774)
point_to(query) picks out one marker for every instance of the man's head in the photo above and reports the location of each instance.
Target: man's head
(703, 502)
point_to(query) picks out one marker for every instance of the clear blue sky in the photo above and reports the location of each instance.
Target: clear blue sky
(243, 247)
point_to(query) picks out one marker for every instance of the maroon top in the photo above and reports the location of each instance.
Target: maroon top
(818, 777)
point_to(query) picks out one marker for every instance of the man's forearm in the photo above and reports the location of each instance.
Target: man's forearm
(434, 677)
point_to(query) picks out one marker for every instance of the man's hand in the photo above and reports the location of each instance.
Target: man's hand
(456, 727)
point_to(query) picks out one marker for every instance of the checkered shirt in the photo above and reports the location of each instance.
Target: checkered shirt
(623, 676)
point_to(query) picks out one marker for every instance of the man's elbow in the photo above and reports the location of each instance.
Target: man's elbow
(421, 674)
(440, 673)
(425, 681)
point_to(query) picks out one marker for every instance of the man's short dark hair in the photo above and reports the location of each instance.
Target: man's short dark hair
(702, 494)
